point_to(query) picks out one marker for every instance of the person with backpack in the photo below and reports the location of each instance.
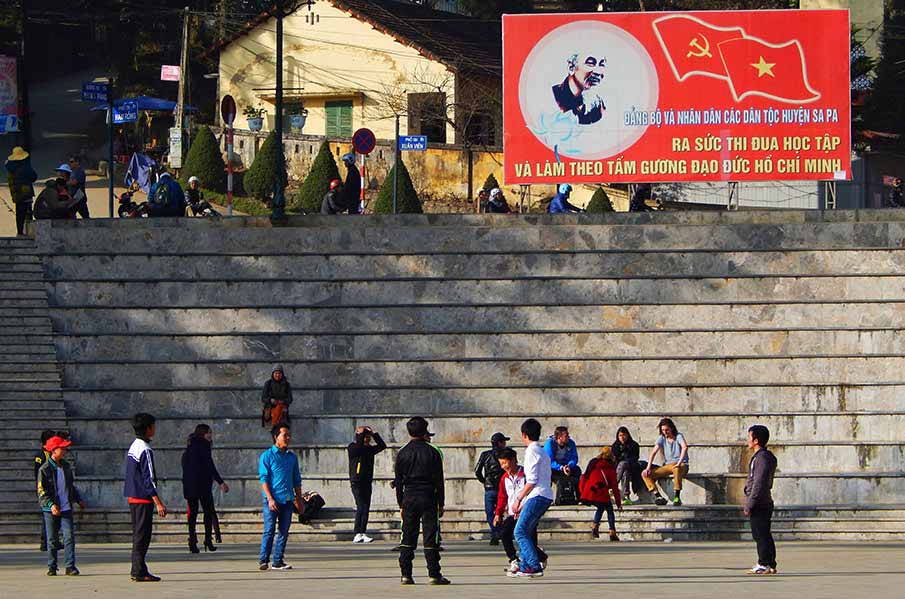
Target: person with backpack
(166, 197)
(352, 186)
(20, 178)
(489, 472)
(276, 397)
(564, 464)
(361, 476)
(598, 480)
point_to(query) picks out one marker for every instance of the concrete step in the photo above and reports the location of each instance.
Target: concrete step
(506, 346)
(716, 370)
(487, 265)
(8, 366)
(469, 292)
(700, 488)
(184, 237)
(729, 427)
(332, 320)
(221, 402)
(709, 456)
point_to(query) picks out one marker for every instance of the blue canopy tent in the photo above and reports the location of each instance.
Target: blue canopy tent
(146, 103)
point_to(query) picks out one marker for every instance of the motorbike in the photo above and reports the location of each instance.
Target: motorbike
(203, 208)
(129, 208)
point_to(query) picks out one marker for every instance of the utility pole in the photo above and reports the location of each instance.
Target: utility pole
(24, 107)
(396, 166)
(278, 205)
(183, 80)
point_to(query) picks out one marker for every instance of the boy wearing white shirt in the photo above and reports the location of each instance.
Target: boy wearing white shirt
(532, 502)
(511, 485)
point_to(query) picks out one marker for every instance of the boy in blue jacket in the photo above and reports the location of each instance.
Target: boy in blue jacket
(141, 493)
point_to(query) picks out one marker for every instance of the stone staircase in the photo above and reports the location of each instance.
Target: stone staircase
(719, 320)
(31, 397)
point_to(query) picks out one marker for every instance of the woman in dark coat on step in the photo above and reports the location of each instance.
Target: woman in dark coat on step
(198, 475)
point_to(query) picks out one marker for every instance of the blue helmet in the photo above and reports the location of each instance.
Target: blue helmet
(349, 158)
(565, 189)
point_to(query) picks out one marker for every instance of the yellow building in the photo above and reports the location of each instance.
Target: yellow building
(866, 16)
(357, 63)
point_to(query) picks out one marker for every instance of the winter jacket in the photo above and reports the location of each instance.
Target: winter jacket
(560, 205)
(141, 476)
(40, 458)
(175, 202)
(759, 485)
(571, 459)
(333, 203)
(279, 390)
(595, 484)
(48, 493)
(419, 471)
(20, 178)
(488, 470)
(352, 188)
(628, 452)
(509, 490)
(361, 458)
(498, 207)
(198, 469)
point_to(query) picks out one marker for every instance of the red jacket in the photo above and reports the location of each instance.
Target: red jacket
(595, 484)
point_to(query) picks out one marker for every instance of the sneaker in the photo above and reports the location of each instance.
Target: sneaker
(627, 501)
(280, 566)
(676, 501)
(513, 566)
(774, 571)
(146, 578)
(357, 538)
(526, 573)
(72, 571)
(440, 580)
(51, 571)
(365, 539)
(660, 501)
(262, 566)
(406, 580)
(759, 570)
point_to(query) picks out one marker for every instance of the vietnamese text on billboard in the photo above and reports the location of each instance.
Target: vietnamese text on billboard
(698, 96)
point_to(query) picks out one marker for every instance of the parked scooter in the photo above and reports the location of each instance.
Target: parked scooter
(129, 208)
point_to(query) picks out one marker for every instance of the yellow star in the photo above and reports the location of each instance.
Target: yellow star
(764, 68)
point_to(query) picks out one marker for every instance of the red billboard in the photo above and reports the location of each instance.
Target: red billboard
(692, 96)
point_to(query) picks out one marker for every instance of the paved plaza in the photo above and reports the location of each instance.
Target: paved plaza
(807, 571)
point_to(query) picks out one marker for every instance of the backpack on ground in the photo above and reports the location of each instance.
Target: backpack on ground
(566, 491)
(313, 503)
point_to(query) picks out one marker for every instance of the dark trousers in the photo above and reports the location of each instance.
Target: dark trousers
(142, 526)
(82, 209)
(419, 512)
(361, 491)
(761, 520)
(207, 505)
(23, 213)
(507, 536)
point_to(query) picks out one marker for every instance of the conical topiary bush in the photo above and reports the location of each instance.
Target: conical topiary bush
(260, 177)
(317, 183)
(205, 162)
(600, 202)
(406, 197)
(490, 182)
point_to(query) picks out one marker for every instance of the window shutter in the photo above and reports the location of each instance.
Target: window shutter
(339, 118)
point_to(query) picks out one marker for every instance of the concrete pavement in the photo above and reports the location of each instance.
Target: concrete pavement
(698, 570)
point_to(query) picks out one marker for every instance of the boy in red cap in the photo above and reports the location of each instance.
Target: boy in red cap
(57, 495)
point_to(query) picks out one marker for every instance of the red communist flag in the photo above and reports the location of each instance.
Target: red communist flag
(776, 71)
(690, 45)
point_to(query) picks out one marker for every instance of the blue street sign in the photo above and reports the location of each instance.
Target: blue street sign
(412, 143)
(95, 92)
(127, 112)
(9, 123)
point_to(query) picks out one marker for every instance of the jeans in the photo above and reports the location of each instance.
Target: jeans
(610, 514)
(526, 526)
(761, 520)
(54, 524)
(507, 536)
(361, 491)
(142, 527)
(490, 497)
(629, 472)
(283, 516)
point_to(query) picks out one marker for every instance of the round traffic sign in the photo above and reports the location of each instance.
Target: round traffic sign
(364, 141)
(228, 110)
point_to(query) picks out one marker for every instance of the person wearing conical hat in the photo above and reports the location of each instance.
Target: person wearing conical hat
(20, 178)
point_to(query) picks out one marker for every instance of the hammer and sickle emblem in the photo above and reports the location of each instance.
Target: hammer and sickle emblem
(698, 50)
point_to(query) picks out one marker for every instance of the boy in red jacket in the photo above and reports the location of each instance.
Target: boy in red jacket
(594, 487)
(504, 520)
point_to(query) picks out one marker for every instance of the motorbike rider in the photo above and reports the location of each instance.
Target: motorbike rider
(333, 201)
(352, 186)
(195, 197)
(560, 203)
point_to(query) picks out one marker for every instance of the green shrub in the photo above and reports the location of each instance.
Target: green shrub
(406, 197)
(242, 204)
(490, 182)
(317, 183)
(260, 178)
(205, 162)
(600, 202)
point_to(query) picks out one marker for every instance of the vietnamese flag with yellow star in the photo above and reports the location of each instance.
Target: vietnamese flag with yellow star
(774, 71)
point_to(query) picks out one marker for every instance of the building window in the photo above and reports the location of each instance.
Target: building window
(339, 118)
(427, 116)
(480, 130)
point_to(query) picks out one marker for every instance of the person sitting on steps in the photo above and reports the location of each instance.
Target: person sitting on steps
(276, 397)
(564, 464)
(627, 454)
(672, 445)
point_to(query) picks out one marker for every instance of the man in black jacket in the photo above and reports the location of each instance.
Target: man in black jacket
(361, 476)
(489, 472)
(759, 500)
(420, 494)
